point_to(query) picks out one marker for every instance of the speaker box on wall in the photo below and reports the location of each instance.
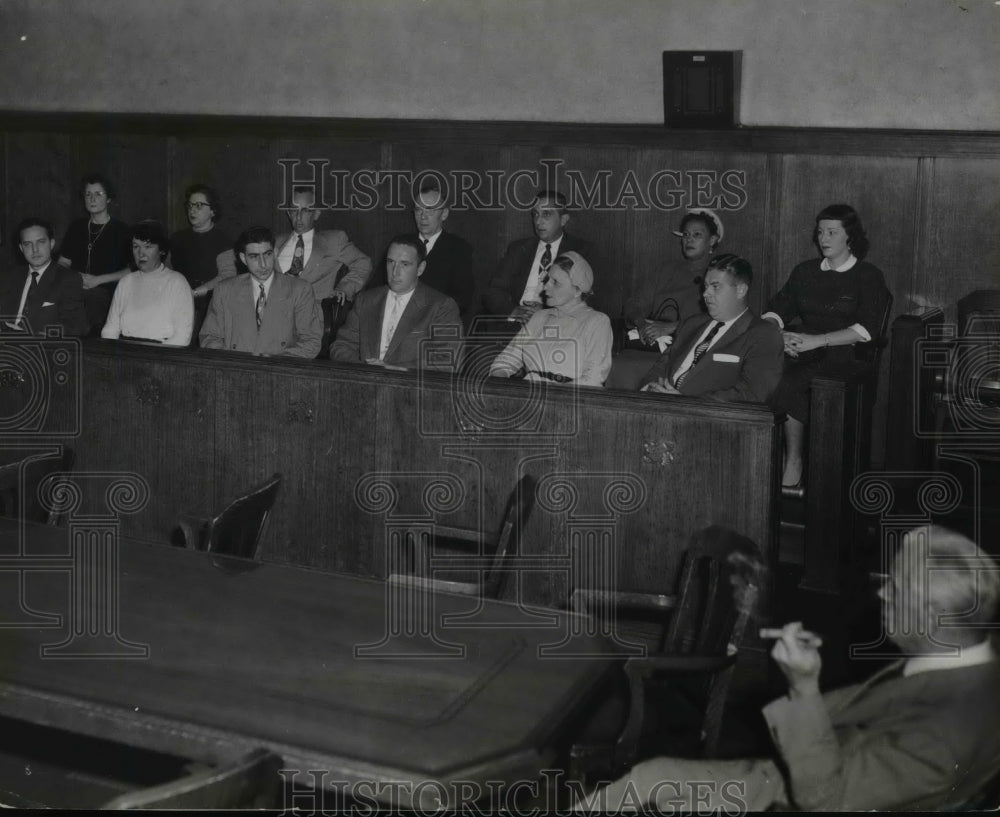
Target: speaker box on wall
(701, 89)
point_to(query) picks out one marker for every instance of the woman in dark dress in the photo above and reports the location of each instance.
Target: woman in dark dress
(839, 301)
(98, 247)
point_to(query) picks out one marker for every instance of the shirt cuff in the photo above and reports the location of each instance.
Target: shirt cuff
(776, 316)
(857, 327)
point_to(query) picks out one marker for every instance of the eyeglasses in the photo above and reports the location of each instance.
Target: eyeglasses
(98, 194)
(197, 205)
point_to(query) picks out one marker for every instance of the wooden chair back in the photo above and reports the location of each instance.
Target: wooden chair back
(250, 782)
(20, 482)
(238, 529)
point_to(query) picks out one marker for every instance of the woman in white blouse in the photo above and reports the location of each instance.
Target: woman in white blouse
(154, 303)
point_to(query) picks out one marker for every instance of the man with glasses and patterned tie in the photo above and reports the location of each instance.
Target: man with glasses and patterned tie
(45, 294)
(265, 312)
(516, 289)
(730, 354)
(388, 324)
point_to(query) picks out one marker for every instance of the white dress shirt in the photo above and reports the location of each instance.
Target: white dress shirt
(24, 292)
(689, 357)
(391, 318)
(287, 252)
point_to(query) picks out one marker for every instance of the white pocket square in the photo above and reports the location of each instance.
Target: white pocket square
(48, 303)
(721, 357)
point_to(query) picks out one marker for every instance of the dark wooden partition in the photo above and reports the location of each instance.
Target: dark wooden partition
(924, 196)
(364, 453)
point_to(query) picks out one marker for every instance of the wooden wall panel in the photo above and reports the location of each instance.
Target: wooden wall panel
(136, 164)
(156, 419)
(40, 181)
(961, 233)
(238, 167)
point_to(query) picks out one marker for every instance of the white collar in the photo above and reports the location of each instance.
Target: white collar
(850, 262)
(981, 653)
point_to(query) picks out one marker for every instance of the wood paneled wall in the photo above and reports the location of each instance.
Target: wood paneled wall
(201, 427)
(930, 200)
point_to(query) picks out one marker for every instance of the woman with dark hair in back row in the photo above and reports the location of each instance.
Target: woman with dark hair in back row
(837, 302)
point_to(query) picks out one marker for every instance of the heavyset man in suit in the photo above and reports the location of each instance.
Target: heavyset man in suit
(44, 294)
(387, 324)
(921, 734)
(729, 354)
(265, 312)
(516, 289)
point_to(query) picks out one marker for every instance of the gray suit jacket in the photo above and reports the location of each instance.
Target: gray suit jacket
(292, 321)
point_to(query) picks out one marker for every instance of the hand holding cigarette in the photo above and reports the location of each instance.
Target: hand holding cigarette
(796, 652)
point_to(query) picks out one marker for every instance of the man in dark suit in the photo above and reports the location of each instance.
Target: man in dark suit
(923, 734)
(730, 354)
(44, 294)
(265, 312)
(517, 286)
(388, 323)
(449, 262)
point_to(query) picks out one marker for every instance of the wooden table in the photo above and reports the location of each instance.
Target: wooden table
(243, 654)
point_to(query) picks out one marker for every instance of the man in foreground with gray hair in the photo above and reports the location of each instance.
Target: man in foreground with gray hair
(923, 733)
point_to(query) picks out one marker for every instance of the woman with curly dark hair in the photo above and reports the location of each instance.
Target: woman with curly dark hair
(835, 301)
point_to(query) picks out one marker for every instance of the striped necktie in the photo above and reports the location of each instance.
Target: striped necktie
(298, 257)
(700, 350)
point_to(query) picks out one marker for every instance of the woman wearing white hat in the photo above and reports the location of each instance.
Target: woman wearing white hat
(674, 293)
(568, 342)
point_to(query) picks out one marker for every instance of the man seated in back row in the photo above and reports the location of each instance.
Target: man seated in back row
(265, 312)
(729, 354)
(921, 734)
(392, 326)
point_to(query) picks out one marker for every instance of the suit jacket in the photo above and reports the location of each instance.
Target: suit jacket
(744, 364)
(451, 270)
(360, 337)
(292, 322)
(58, 299)
(927, 741)
(507, 286)
(331, 249)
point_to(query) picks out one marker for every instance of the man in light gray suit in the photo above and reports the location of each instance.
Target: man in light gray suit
(265, 312)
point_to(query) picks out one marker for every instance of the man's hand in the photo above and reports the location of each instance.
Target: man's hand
(796, 652)
(651, 330)
(339, 296)
(198, 292)
(660, 386)
(524, 311)
(90, 281)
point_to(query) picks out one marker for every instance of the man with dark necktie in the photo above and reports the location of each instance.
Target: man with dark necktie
(922, 734)
(730, 354)
(516, 289)
(44, 294)
(265, 312)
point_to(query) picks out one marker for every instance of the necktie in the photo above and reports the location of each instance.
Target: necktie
(298, 257)
(546, 261)
(700, 349)
(390, 328)
(260, 306)
(34, 284)
(427, 246)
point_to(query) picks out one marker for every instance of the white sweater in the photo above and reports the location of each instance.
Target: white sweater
(156, 305)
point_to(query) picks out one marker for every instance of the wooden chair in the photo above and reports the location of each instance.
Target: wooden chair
(20, 481)
(238, 529)
(702, 628)
(250, 782)
(501, 547)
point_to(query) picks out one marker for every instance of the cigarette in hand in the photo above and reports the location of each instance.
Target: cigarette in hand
(805, 638)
